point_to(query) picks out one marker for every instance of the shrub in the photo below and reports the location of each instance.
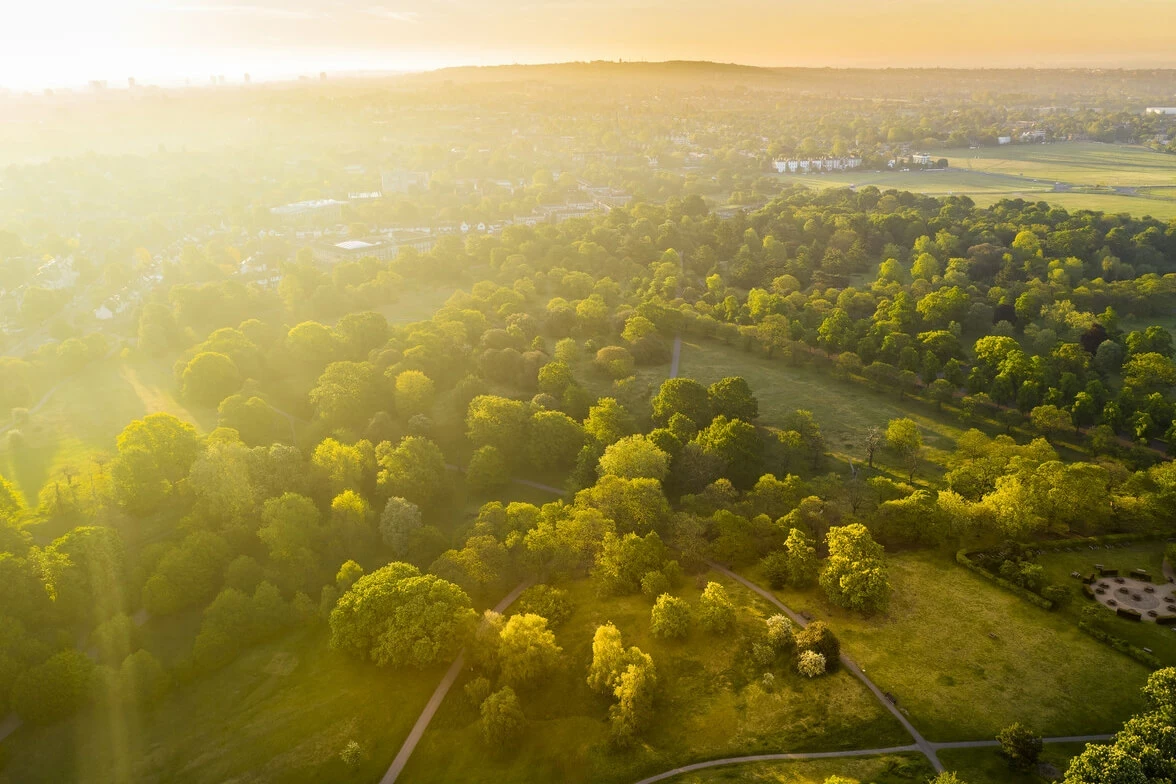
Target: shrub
(818, 637)
(775, 566)
(670, 617)
(780, 633)
(1020, 746)
(810, 664)
(352, 754)
(477, 691)
(502, 717)
(763, 654)
(1058, 594)
(654, 584)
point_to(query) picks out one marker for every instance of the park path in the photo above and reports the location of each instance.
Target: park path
(422, 722)
(921, 743)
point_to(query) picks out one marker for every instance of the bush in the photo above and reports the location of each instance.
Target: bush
(502, 718)
(780, 633)
(1058, 594)
(819, 638)
(775, 566)
(1020, 746)
(54, 689)
(963, 560)
(810, 664)
(352, 754)
(654, 584)
(670, 618)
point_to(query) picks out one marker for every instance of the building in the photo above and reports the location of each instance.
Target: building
(1004, 139)
(921, 158)
(402, 181)
(306, 212)
(383, 246)
(1160, 110)
(56, 274)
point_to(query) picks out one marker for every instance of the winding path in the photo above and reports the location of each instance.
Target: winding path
(921, 743)
(422, 722)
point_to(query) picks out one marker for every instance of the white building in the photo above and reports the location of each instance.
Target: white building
(1160, 110)
(1004, 139)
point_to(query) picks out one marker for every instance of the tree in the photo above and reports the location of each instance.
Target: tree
(502, 718)
(810, 664)
(608, 421)
(527, 652)
(344, 466)
(154, 453)
(615, 361)
(396, 616)
(142, 679)
(1050, 420)
(397, 522)
(670, 617)
(634, 692)
(871, 442)
(716, 613)
(780, 634)
(415, 393)
(903, 436)
(1020, 746)
(802, 558)
(555, 440)
(209, 378)
(290, 527)
(55, 688)
(414, 469)
(681, 396)
(634, 457)
(855, 573)
(498, 422)
(623, 561)
(731, 397)
(737, 446)
(487, 470)
(346, 394)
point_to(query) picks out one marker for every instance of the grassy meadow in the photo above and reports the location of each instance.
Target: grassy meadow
(966, 658)
(986, 766)
(1090, 176)
(711, 704)
(886, 769)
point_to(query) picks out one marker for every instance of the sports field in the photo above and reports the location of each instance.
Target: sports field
(1074, 175)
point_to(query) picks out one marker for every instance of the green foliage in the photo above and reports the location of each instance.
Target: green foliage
(552, 603)
(716, 613)
(527, 652)
(55, 688)
(487, 470)
(395, 616)
(854, 576)
(819, 638)
(810, 664)
(1020, 746)
(634, 457)
(502, 718)
(414, 469)
(209, 378)
(670, 617)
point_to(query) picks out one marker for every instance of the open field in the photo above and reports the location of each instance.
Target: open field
(280, 712)
(1147, 555)
(1092, 176)
(85, 414)
(986, 766)
(710, 704)
(966, 658)
(888, 769)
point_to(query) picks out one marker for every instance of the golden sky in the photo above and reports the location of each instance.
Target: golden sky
(71, 41)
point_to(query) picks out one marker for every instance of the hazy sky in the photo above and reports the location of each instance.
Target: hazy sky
(46, 42)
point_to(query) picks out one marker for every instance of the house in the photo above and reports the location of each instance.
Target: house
(921, 158)
(312, 211)
(56, 274)
(1033, 136)
(1004, 139)
(103, 313)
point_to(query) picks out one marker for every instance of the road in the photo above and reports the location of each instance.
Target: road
(422, 722)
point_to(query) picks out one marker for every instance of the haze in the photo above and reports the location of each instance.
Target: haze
(71, 42)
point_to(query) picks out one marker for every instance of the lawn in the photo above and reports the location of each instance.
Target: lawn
(85, 414)
(887, 769)
(280, 712)
(966, 658)
(844, 409)
(710, 704)
(1146, 555)
(986, 766)
(1113, 178)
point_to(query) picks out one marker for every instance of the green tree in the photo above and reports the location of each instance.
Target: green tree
(670, 617)
(209, 378)
(346, 394)
(1020, 746)
(527, 651)
(854, 576)
(396, 616)
(716, 613)
(487, 470)
(415, 393)
(414, 469)
(55, 688)
(634, 457)
(682, 396)
(398, 521)
(608, 422)
(903, 436)
(502, 718)
(731, 397)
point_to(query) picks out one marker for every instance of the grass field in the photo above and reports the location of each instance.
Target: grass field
(1147, 555)
(887, 769)
(844, 409)
(966, 658)
(710, 704)
(1108, 177)
(85, 414)
(280, 712)
(986, 766)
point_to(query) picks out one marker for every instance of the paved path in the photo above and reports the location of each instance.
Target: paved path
(774, 758)
(921, 743)
(422, 722)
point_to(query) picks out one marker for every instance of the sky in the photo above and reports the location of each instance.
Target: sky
(65, 42)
